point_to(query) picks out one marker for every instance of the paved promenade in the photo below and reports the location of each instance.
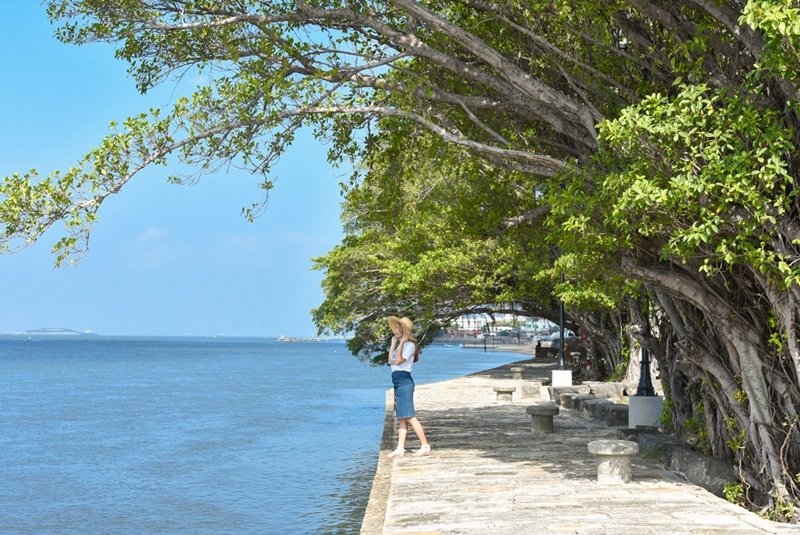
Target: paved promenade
(489, 475)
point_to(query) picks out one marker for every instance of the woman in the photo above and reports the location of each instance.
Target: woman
(403, 353)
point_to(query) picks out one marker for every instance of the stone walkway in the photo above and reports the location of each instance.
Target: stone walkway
(489, 475)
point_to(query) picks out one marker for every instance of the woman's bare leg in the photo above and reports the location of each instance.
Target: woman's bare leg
(419, 430)
(402, 433)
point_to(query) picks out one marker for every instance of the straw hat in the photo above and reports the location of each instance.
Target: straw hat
(408, 325)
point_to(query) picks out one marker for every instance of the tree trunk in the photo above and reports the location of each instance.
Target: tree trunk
(722, 363)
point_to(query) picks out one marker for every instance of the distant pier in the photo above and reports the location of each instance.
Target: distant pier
(303, 339)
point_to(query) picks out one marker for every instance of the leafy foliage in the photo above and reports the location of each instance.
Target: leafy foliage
(645, 150)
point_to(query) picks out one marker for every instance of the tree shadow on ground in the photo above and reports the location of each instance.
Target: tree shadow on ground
(502, 433)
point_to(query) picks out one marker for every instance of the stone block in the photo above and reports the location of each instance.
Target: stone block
(593, 408)
(579, 400)
(575, 389)
(615, 391)
(702, 470)
(633, 434)
(572, 400)
(565, 399)
(532, 389)
(656, 446)
(617, 415)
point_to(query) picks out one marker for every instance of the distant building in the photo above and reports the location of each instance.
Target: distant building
(473, 322)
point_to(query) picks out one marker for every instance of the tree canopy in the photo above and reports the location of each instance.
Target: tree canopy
(646, 150)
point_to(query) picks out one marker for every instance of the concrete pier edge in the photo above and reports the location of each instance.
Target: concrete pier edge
(375, 513)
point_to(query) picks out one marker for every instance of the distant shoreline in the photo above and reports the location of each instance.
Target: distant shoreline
(48, 332)
(511, 345)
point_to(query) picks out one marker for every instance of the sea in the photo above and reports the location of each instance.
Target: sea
(118, 435)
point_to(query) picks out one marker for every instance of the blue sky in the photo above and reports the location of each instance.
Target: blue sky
(164, 260)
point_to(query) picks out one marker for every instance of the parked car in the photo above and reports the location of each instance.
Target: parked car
(554, 340)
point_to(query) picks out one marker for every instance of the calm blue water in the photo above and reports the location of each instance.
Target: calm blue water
(194, 436)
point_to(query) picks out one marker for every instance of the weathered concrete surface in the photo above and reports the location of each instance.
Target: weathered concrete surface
(488, 474)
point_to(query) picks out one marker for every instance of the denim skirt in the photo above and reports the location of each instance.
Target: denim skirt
(403, 394)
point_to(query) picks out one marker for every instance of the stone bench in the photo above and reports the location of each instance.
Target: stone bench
(613, 460)
(504, 393)
(517, 372)
(542, 417)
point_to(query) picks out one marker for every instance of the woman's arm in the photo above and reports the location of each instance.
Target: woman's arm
(401, 357)
(391, 349)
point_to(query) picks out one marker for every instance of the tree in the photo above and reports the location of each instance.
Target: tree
(649, 142)
(425, 238)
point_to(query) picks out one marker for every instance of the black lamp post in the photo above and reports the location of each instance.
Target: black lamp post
(645, 387)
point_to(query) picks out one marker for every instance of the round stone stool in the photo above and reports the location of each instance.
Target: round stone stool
(504, 393)
(614, 460)
(542, 417)
(517, 372)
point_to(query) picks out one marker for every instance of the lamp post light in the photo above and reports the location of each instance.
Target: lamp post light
(645, 387)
